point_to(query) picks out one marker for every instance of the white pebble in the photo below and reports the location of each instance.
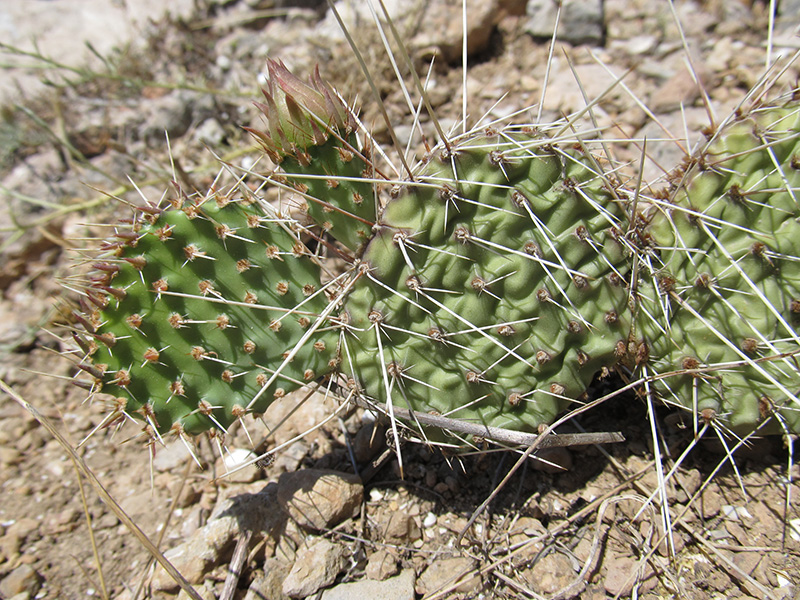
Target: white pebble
(794, 529)
(430, 520)
(237, 457)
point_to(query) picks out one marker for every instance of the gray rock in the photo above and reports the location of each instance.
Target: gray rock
(290, 458)
(400, 587)
(23, 579)
(169, 115)
(174, 113)
(581, 21)
(681, 89)
(437, 23)
(443, 572)
(319, 499)
(212, 544)
(61, 30)
(787, 13)
(270, 584)
(668, 154)
(381, 565)
(315, 567)
(210, 132)
(551, 574)
(442, 27)
(175, 454)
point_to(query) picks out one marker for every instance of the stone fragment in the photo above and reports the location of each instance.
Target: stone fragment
(400, 587)
(581, 21)
(210, 132)
(172, 456)
(270, 583)
(23, 579)
(443, 572)
(315, 567)
(400, 527)
(319, 499)
(551, 574)
(381, 565)
(212, 543)
(620, 575)
(682, 89)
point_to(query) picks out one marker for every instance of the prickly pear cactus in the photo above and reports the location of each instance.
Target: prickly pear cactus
(723, 300)
(490, 285)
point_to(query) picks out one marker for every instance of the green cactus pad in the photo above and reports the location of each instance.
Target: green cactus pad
(197, 310)
(727, 282)
(496, 285)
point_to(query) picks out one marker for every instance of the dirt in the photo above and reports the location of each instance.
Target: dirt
(734, 524)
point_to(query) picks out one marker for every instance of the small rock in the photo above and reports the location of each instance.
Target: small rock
(401, 528)
(690, 482)
(23, 528)
(637, 45)
(9, 456)
(289, 459)
(65, 520)
(429, 520)
(270, 584)
(581, 21)
(319, 499)
(747, 563)
(620, 577)
(210, 132)
(315, 567)
(174, 114)
(735, 513)
(445, 571)
(206, 592)
(236, 468)
(381, 565)
(223, 62)
(710, 505)
(442, 27)
(551, 574)
(400, 587)
(23, 579)
(210, 544)
(171, 457)
(681, 89)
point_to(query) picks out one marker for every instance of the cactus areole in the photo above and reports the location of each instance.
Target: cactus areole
(491, 285)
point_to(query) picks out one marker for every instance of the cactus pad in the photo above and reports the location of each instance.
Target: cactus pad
(196, 311)
(496, 284)
(724, 299)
